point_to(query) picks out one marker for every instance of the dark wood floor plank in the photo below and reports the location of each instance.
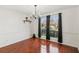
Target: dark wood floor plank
(33, 45)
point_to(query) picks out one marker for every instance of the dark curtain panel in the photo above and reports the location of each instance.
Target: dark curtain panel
(47, 27)
(60, 28)
(39, 27)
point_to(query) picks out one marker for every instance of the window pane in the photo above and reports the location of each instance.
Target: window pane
(54, 27)
(43, 27)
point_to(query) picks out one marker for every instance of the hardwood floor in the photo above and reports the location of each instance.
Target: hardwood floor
(35, 45)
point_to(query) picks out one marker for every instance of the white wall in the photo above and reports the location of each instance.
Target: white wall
(70, 24)
(70, 19)
(35, 27)
(12, 28)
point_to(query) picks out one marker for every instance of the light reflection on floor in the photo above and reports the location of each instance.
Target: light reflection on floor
(48, 49)
(53, 49)
(43, 49)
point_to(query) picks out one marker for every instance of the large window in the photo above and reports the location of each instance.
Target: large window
(43, 27)
(50, 27)
(53, 27)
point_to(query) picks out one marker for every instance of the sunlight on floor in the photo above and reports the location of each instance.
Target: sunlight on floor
(51, 49)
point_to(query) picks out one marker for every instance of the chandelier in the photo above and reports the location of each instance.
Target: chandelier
(34, 16)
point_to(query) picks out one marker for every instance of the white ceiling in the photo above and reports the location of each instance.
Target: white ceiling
(41, 9)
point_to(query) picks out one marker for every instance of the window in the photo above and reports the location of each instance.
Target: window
(50, 27)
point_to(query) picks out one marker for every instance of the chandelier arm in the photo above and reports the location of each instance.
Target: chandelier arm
(35, 9)
(35, 12)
